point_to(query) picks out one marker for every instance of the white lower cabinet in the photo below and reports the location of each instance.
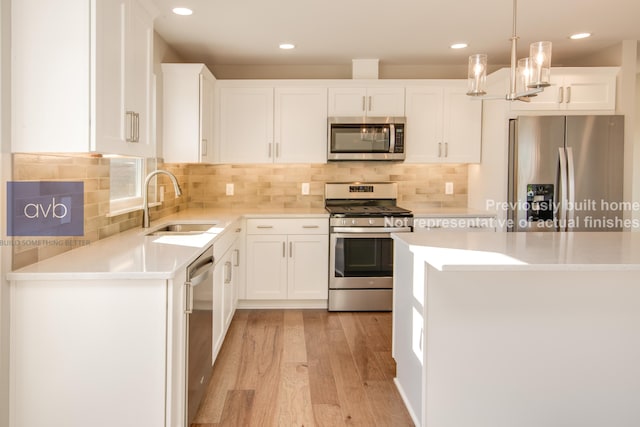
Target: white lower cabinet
(287, 259)
(106, 350)
(226, 256)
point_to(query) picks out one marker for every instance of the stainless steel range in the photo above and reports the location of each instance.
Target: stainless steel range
(362, 218)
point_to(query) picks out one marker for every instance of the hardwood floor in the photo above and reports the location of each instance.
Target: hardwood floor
(304, 368)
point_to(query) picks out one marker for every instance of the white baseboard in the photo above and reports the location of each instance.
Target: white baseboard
(414, 418)
(282, 304)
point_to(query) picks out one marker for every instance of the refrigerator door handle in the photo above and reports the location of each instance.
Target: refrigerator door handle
(562, 214)
(571, 181)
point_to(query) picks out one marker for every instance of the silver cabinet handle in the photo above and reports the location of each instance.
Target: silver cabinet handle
(236, 257)
(270, 149)
(137, 137)
(188, 299)
(228, 272)
(129, 126)
(277, 149)
(370, 103)
(446, 149)
(204, 148)
(363, 104)
(290, 249)
(310, 226)
(568, 96)
(560, 95)
(238, 230)
(284, 254)
(439, 149)
(265, 226)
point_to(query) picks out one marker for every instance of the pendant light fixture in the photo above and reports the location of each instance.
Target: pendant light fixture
(528, 77)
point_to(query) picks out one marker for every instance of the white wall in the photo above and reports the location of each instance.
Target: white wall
(5, 174)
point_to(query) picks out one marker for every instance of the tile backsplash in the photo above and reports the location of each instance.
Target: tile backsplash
(204, 186)
(279, 186)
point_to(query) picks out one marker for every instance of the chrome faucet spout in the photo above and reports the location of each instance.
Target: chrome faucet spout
(145, 193)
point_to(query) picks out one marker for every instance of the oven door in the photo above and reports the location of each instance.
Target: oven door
(361, 261)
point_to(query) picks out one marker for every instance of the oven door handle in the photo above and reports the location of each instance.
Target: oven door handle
(370, 230)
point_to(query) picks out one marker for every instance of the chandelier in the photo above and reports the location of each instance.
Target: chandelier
(529, 76)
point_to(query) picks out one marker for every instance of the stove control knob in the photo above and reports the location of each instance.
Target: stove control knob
(353, 222)
(372, 221)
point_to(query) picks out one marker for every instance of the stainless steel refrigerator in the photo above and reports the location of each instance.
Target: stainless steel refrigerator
(566, 173)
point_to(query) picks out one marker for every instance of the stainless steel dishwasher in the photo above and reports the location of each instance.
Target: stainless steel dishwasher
(199, 309)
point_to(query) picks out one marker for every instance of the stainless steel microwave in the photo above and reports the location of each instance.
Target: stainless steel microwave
(368, 138)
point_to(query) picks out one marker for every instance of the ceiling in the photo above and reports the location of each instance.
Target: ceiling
(398, 32)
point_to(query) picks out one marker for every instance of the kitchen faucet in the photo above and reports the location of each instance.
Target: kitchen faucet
(145, 189)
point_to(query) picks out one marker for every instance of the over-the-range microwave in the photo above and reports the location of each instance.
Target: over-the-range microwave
(368, 138)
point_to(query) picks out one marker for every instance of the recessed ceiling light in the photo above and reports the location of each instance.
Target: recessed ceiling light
(287, 46)
(459, 45)
(579, 36)
(182, 11)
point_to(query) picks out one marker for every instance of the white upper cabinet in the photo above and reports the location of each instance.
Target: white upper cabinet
(300, 125)
(187, 118)
(246, 125)
(371, 102)
(81, 76)
(267, 125)
(575, 89)
(443, 124)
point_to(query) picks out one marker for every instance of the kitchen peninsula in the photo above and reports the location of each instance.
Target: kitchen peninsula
(526, 329)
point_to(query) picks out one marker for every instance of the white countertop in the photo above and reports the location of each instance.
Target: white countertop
(478, 251)
(134, 255)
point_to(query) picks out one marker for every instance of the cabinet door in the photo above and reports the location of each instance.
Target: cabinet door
(576, 89)
(231, 283)
(266, 267)
(462, 126)
(590, 91)
(385, 102)
(206, 119)
(138, 69)
(424, 124)
(51, 70)
(347, 101)
(246, 125)
(109, 112)
(300, 125)
(308, 274)
(551, 98)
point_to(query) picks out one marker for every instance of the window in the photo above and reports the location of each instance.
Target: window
(126, 177)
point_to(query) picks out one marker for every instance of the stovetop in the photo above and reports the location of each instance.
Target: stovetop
(374, 211)
(363, 199)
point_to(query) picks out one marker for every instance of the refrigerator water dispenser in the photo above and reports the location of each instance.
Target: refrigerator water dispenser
(539, 202)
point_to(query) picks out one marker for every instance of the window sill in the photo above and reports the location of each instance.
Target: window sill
(116, 212)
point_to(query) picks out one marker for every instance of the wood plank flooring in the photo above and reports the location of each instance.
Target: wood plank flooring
(304, 368)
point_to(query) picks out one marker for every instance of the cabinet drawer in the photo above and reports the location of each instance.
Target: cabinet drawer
(454, 223)
(288, 226)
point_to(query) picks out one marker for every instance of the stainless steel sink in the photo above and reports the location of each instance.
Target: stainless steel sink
(182, 228)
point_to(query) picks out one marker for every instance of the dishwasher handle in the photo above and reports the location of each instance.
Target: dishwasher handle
(197, 273)
(200, 274)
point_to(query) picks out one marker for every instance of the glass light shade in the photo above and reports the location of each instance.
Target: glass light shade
(477, 75)
(540, 56)
(525, 75)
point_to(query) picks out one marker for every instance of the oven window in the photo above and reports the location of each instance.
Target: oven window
(364, 257)
(354, 138)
